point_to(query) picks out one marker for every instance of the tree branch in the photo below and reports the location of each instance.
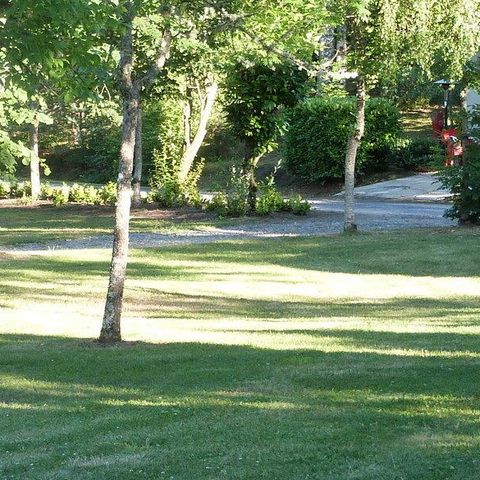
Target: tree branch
(162, 56)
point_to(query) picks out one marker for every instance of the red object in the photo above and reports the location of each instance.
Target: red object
(453, 147)
(438, 121)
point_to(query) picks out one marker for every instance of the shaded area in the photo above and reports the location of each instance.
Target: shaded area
(71, 408)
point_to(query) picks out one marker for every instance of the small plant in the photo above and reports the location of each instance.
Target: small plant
(107, 195)
(60, 195)
(297, 205)
(19, 190)
(464, 183)
(46, 191)
(270, 199)
(234, 201)
(167, 189)
(4, 190)
(84, 194)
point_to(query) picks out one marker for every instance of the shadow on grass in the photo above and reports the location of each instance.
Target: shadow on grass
(74, 407)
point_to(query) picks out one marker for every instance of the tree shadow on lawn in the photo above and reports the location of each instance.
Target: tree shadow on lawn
(75, 407)
(411, 254)
(451, 312)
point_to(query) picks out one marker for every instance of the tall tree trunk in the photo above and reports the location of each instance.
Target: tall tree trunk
(110, 332)
(34, 160)
(137, 169)
(130, 90)
(113, 306)
(351, 157)
(192, 148)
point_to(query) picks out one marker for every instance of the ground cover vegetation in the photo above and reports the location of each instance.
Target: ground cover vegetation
(310, 361)
(109, 66)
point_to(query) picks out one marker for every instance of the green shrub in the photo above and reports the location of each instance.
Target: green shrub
(107, 194)
(418, 155)
(319, 129)
(21, 189)
(464, 183)
(297, 205)
(47, 191)
(234, 201)
(167, 190)
(60, 196)
(84, 194)
(4, 190)
(270, 199)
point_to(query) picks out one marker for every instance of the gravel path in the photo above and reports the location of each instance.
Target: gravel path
(326, 218)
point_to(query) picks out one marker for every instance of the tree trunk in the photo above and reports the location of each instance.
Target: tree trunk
(113, 306)
(137, 171)
(351, 157)
(34, 161)
(130, 91)
(192, 148)
(249, 168)
(110, 332)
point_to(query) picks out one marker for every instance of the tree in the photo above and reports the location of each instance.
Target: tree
(383, 36)
(256, 95)
(84, 37)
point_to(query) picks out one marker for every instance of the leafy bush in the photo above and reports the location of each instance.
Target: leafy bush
(47, 191)
(107, 195)
(168, 190)
(234, 201)
(464, 183)
(4, 190)
(316, 141)
(297, 205)
(60, 196)
(270, 199)
(20, 190)
(418, 154)
(84, 194)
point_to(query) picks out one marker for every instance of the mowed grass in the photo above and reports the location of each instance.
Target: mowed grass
(45, 223)
(349, 357)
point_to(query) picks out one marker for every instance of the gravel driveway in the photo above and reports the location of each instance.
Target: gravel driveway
(326, 217)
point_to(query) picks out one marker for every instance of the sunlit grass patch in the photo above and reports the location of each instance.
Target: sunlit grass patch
(323, 358)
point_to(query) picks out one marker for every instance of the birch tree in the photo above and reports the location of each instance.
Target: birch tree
(384, 36)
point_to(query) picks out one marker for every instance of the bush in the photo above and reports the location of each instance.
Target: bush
(297, 205)
(234, 201)
(84, 194)
(20, 190)
(316, 141)
(418, 155)
(270, 199)
(107, 195)
(167, 190)
(47, 191)
(4, 190)
(60, 196)
(464, 183)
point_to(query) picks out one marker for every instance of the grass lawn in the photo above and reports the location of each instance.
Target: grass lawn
(45, 223)
(349, 357)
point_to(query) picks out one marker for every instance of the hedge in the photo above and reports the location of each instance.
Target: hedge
(319, 129)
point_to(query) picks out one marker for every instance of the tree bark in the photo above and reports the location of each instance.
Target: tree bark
(130, 90)
(351, 157)
(34, 161)
(193, 147)
(113, 306)
(111, 331)
(138, 161)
